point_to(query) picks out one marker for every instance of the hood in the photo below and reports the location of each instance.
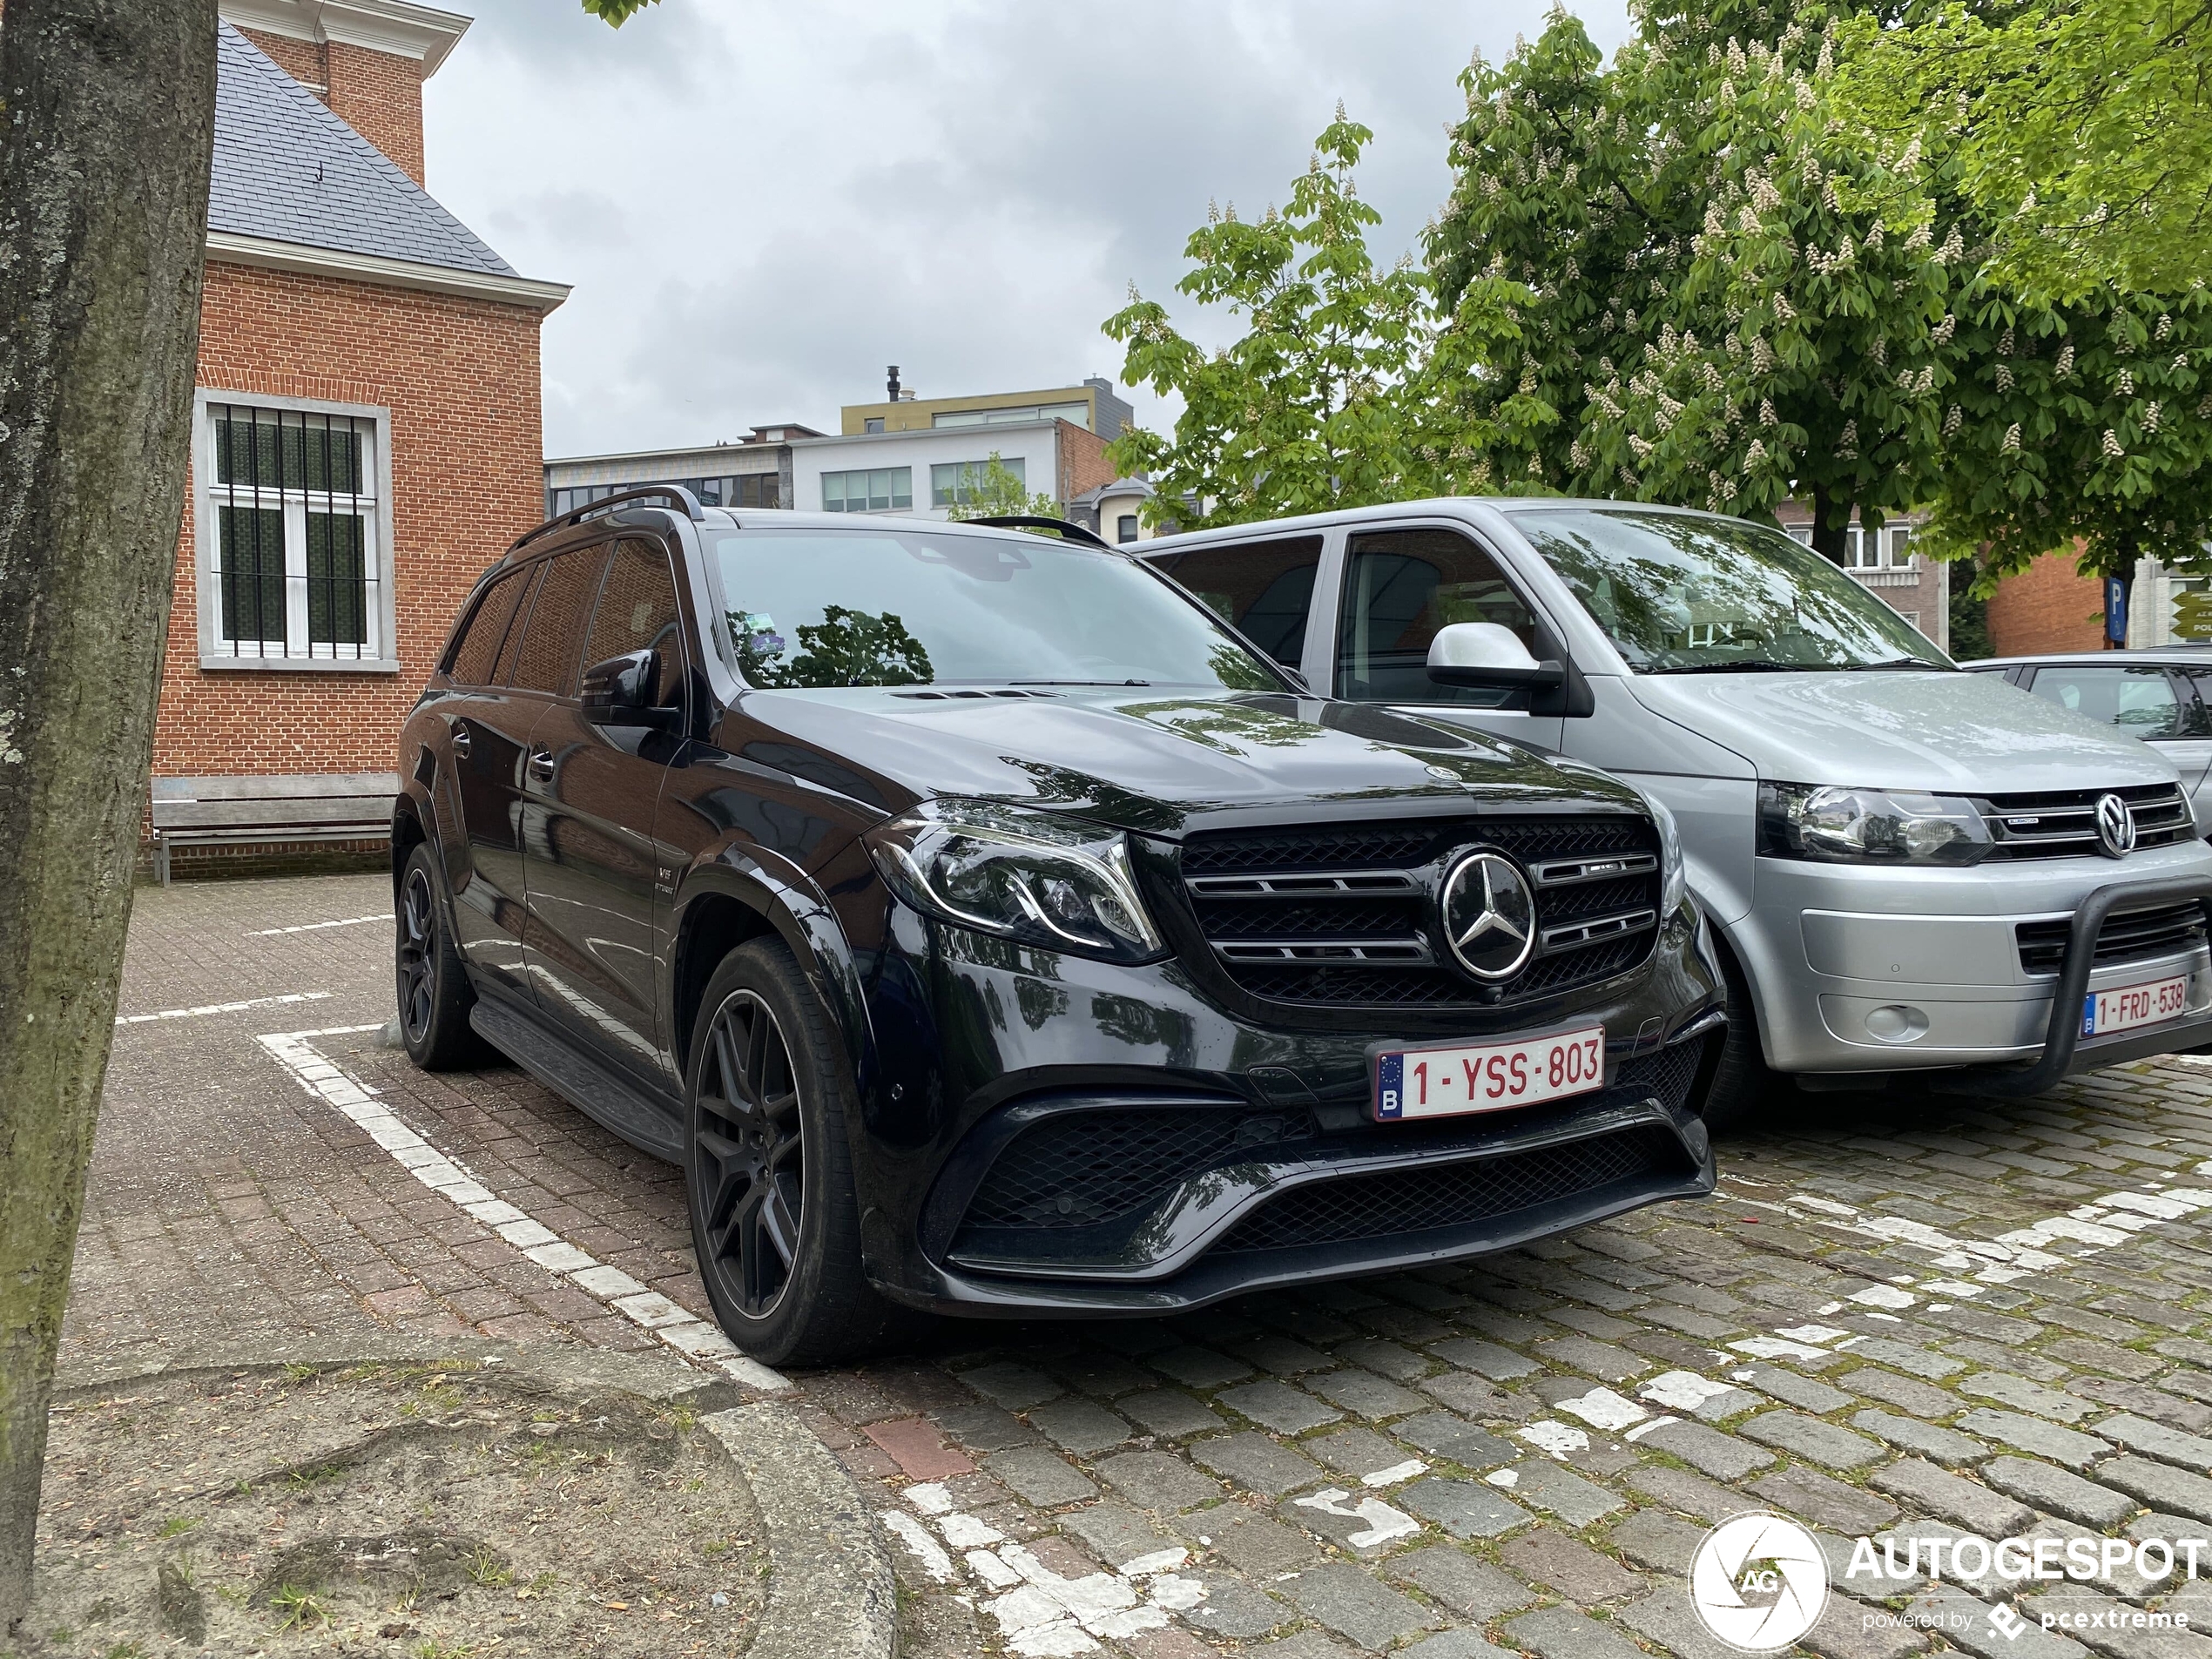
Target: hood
(1945, 733)
(1144, 759)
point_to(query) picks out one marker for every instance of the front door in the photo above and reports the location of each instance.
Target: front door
(594, 790)
(1399, 587)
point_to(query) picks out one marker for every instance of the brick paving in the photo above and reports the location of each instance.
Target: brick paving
(1910, 1321)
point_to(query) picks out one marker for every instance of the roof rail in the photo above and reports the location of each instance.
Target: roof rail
(677, 493)
(1072, 532)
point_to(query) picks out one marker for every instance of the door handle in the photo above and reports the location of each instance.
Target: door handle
(542, 765)
(460, 741)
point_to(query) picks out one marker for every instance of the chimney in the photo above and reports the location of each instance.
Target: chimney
(892, 384)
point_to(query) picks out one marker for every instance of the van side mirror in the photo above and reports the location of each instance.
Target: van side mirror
(619, 692)
(1486, 654)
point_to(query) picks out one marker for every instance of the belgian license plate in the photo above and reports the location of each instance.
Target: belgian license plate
(1486, 1076)
(2134, 1005)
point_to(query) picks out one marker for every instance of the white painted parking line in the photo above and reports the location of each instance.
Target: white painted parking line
(317, 927)
(610, 1286)
(220, 1008)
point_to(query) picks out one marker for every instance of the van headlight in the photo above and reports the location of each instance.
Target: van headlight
(1035, 877)
(1850, 825)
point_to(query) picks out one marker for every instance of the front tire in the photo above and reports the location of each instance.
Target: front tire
(1745, 1089)
(768, 1169)
(434, 995)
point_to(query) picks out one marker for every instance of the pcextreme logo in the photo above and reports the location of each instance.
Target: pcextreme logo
(1758, 1583)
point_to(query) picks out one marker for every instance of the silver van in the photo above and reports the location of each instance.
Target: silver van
(1914, 871)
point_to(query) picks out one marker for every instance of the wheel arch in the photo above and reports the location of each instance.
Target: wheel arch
(407, 834)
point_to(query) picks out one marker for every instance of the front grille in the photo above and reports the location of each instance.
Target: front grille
(2062, 824)
(2132, 936)
(1085, 1168)
(1455, 1195)
(1346, 915)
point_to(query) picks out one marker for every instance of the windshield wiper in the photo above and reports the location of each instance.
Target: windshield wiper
(1899, 663)
(1745, 665)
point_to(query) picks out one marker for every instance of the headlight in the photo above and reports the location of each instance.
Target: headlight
(1675, 880)
(1034, 877)
(1869, 826)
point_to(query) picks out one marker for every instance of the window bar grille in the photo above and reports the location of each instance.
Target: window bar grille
(297, 572)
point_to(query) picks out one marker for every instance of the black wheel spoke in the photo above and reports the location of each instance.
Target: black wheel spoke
(748, 1157)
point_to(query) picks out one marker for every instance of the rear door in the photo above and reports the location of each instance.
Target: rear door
(488, 734)
(594, 792)
(1400, 586)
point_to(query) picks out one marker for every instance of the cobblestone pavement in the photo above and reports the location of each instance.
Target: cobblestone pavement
(1910, 1322)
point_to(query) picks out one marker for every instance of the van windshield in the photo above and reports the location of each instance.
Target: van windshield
(808, 608)
(1678, 594)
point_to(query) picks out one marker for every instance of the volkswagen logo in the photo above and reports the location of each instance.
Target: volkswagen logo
(1490, 915)
(2115, 828)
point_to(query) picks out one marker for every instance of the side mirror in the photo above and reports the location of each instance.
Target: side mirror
(1485, 654)
(619, 692)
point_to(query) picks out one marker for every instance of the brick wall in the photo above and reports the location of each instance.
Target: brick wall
(460, 379)
(379, 94)
(2047, 607)
(1083, 460)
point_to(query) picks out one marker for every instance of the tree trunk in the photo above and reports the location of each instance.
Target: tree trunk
(104, 167)
(1831, 541)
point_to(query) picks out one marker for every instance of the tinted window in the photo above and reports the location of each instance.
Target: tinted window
(1401, 586)
(553, 640)
(2139, 701)
(531, 580)
(476, 651)
(2197, 702)
(637, 612)
(1264, 588)
(864, 607)
(1698, 593)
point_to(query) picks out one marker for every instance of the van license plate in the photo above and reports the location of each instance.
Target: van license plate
(1486, 1077)
(2134, 1005)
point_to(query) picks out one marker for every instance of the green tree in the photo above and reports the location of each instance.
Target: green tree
(2081, 133)
(1332, 396)
(1733, 298)
(104, 171)
(994, 492)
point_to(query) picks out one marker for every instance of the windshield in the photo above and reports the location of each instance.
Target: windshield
(870, 607)
(1677, 594)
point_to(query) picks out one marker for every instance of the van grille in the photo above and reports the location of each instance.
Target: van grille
(2132, 936)
(2062, 824)
(1345, 916)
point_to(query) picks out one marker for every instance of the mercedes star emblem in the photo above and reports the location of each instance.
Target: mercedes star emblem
(1490, 915)
(2115, 828)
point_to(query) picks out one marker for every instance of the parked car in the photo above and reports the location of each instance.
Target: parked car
(987, 929)
(1913, 873)
(2158, 697)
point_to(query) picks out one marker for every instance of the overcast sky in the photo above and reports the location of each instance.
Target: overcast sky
(761, 205)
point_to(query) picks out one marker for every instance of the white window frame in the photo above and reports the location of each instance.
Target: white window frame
(379, 654)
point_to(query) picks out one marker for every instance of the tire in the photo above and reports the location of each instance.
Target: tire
(1745, 1089)
(433, 992)
(768, 1169)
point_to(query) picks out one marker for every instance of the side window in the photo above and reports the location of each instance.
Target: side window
(1401, 586)
(637, 611)
(531, 580)
(2139, 701)
(2196, 711)
(1263, 588)
(552, 650)
(476, 652)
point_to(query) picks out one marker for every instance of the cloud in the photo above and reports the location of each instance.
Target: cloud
(762, 205)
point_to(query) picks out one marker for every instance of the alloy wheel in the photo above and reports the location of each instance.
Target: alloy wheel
(418, 953)
(749, 1160)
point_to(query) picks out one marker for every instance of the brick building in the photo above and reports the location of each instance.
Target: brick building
(366, 434)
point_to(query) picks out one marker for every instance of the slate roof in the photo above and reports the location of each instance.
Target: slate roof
(288, 170)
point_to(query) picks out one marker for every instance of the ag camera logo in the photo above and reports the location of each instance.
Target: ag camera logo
(1758, 1583)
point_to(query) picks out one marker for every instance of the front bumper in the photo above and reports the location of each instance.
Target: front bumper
(1298, 1185)
(1860, 972)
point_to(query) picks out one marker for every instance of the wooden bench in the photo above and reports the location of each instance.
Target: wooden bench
(238, 812)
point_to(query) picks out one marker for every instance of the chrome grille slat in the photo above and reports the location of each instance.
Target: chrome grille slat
(2062, 824)
(1571, 935)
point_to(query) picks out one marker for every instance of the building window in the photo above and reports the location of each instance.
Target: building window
(745, 489)
(1077, 412)
(295, 561)
(953, 483)
(1900, 538)
(872, 423)
(1125, 527)
(877, 490)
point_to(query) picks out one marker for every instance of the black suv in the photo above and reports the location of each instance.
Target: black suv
(987, 929)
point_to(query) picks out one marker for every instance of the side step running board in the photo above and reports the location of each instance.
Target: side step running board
(585, 1084)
